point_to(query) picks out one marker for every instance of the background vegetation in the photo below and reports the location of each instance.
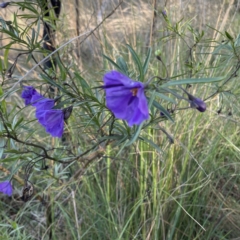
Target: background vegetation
(168, 180)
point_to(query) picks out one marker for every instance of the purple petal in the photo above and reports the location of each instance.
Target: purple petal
(40, 115)
(27, 94)
(6, 188)
(119, 105)
(137, 118)
(31, 96)
(52, 120)
(42, 103)
(137, 111)
(142, 105)
(115, 78)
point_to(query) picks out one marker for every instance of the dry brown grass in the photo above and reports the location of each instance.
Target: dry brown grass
(131, 23)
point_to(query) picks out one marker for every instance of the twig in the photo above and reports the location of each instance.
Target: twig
(89, 159)
(153, 25)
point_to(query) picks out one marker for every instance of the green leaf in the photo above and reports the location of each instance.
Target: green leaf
(138, 63)
(237, 41)
(38, 30)
(151, 143)
(28, 6)
(63, 70)
(152, 98)
(2, 144)
(16, 122)
(33, 36)
(163, 110)
(83, 83)
(135, 136)
(122, 148)
(14, 225)
(11, 159)
(228, 36)
(146, 63)
(162, 96)
(49, 80)
(192, 81)
(112, 62)
(3, 106)
(123, 65)
(225, 46)
(6, 57)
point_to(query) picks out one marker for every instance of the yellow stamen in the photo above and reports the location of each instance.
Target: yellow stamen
(134, 91)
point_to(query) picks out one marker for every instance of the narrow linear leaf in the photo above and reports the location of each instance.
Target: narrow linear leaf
(168, 99)
(147, 60)
(1, 65)
(49, 80)
(135, 136)
(33, 35)
(38, 30)
(192, 81)
(11, 159)
(228, 36)
(138, 62)
(6, 57)
(151, 143)
(3, 105)
(85, 86)
(112, 62)
(123, 65)
(163, 110)
(16, 124)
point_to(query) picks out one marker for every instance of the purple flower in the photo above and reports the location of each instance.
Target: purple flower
(52, 120)
(199, 104)
(31, 96)
(6, 188)
(164, 13)
(125, 98)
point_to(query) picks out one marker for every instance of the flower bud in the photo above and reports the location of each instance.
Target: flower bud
(197, 103)
(4, 4)
(67, 112)
(158, 54)
(164, 13)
